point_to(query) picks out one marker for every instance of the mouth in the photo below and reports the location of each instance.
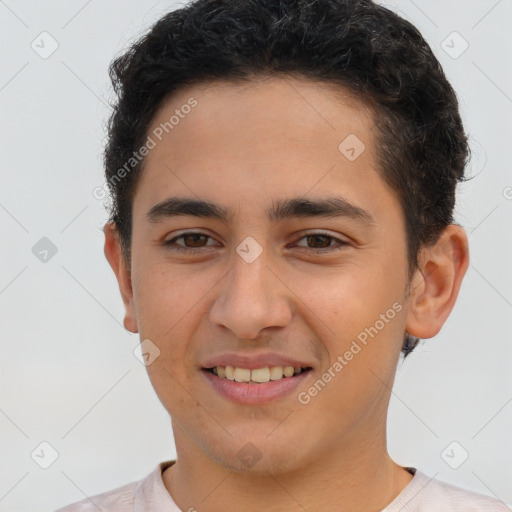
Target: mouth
(257, 375)
(256, 386)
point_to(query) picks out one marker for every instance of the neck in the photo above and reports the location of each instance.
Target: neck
(357, 475)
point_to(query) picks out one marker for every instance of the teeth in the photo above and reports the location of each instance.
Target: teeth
(276, 372)
(288, 371)
(242, 374)
(230, 372)
(258, 375)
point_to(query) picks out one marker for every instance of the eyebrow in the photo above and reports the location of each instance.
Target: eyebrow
(281, 209)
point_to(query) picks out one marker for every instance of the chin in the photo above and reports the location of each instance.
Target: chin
(259, 455)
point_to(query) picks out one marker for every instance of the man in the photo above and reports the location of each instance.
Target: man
(283, 179)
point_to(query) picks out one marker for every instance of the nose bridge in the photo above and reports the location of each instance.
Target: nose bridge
(250, 297)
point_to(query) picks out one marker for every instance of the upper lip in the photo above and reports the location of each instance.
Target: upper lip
(253, 361)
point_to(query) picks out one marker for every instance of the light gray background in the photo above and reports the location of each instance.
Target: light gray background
(68, 374)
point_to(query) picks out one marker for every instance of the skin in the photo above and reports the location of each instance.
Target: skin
(243, 147)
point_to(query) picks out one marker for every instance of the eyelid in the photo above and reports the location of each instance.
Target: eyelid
(340, 243)
(185, 233)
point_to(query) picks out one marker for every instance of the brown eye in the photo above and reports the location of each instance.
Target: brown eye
(194, 239)
(321, 242)
(193, 242)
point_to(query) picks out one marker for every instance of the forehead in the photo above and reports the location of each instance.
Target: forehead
(252, 140)
(288, 102)
(247, 119)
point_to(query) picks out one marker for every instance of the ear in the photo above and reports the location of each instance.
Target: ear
(435, 285)
(115, 257)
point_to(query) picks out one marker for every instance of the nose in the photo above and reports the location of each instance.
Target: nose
(251, 297)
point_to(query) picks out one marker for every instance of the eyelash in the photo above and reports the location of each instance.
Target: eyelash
(194, 250)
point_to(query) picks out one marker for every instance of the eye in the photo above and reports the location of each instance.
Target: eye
(195, 242)
(322, 242)
(193, 238)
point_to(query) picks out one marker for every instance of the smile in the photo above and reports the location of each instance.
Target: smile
(255, 386)
(257, 375)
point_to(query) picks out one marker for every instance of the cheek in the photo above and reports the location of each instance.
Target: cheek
(162, 297)
(356, 310)
(175, 393)
(161, 307)
(345, 299)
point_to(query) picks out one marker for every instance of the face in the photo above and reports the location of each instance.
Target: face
(298, 260)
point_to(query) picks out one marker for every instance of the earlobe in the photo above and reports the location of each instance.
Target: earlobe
(435, 285)
(113, 253)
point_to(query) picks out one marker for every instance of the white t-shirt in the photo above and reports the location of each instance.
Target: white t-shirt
(422, 494)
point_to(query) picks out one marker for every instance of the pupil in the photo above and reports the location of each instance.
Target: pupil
(196, 236)
(316, 237)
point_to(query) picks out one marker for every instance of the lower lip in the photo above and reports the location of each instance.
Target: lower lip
(256, 394)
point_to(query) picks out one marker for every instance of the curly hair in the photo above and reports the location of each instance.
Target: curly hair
(358, 45)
